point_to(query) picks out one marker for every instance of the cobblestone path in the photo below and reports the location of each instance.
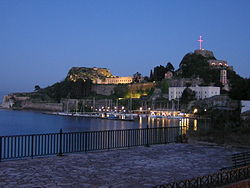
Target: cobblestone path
(132, 167)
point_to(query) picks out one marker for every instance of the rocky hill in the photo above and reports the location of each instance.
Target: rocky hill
(84, 73)
(195, 65)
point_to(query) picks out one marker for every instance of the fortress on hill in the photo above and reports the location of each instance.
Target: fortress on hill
(97, 76)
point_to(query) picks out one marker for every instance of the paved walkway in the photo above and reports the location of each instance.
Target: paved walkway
(133, 167)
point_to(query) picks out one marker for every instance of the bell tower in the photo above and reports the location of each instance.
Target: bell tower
(223, 76)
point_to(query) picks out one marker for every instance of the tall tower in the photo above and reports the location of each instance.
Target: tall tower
(223, 76)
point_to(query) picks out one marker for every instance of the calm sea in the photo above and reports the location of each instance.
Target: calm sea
(14, 122)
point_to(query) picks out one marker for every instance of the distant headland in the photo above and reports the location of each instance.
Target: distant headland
(199, 71)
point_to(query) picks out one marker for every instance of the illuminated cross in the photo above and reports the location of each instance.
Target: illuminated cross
(200, 40)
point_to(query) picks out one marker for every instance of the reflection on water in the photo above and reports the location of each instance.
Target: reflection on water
(23, 122)
(195, 125)
(140, 122)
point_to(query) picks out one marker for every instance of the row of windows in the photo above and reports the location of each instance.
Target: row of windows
(119, 81)
(196, 92)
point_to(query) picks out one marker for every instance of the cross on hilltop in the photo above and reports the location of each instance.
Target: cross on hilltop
(200, 40)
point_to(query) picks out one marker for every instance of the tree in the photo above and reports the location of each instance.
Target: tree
(146, 79)
(240, 89)
(137, 77)
(37, 88)
(159, 73)
(164, 86)
(169, 67)
(187, 96)
(151, 77)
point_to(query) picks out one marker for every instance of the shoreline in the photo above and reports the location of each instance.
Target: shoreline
(25, 110)
(72, 114)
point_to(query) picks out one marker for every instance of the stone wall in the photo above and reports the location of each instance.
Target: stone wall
(141, 86)
(9, 100)
(182, 82)
(103, 89)
(54, 107)
(109, 89)
(13, 101)
(70, 105)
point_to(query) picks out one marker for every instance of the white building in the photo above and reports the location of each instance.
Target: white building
(245, 106)
(201, 92)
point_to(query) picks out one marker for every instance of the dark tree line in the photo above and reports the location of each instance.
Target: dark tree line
(69, 89)
(240, 89)
(159, 72)
(187, 96)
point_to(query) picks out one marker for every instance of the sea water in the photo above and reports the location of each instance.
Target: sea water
(14, 122)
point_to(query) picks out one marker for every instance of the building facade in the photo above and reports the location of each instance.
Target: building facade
(219, 64)
(200, 92)
(116, 80)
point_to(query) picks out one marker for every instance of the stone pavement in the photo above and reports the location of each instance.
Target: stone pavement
(132, 167)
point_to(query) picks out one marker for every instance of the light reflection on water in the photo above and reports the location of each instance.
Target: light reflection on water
(24, 122)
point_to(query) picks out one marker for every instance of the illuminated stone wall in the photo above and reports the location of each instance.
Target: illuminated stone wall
(116, 80)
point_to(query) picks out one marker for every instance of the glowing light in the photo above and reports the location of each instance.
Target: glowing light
(200, 40)
(195, 125)
(195, 110)
(140, 122)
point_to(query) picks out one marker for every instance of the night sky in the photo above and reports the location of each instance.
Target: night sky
(41, 40)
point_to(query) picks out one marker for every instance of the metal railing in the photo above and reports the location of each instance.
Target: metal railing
(219, 179)
(241, 159)
(20, 146)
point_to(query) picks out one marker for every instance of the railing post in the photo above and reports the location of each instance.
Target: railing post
(32, 146)
(147, 131)
(60, 143)
(181, 137)
(128, 138)
(108, 139)
(85, 141)
(0, 148)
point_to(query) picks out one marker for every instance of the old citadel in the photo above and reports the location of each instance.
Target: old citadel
(177, 86)
(164, 83)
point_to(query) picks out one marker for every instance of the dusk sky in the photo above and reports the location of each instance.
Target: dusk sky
(41, 40)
